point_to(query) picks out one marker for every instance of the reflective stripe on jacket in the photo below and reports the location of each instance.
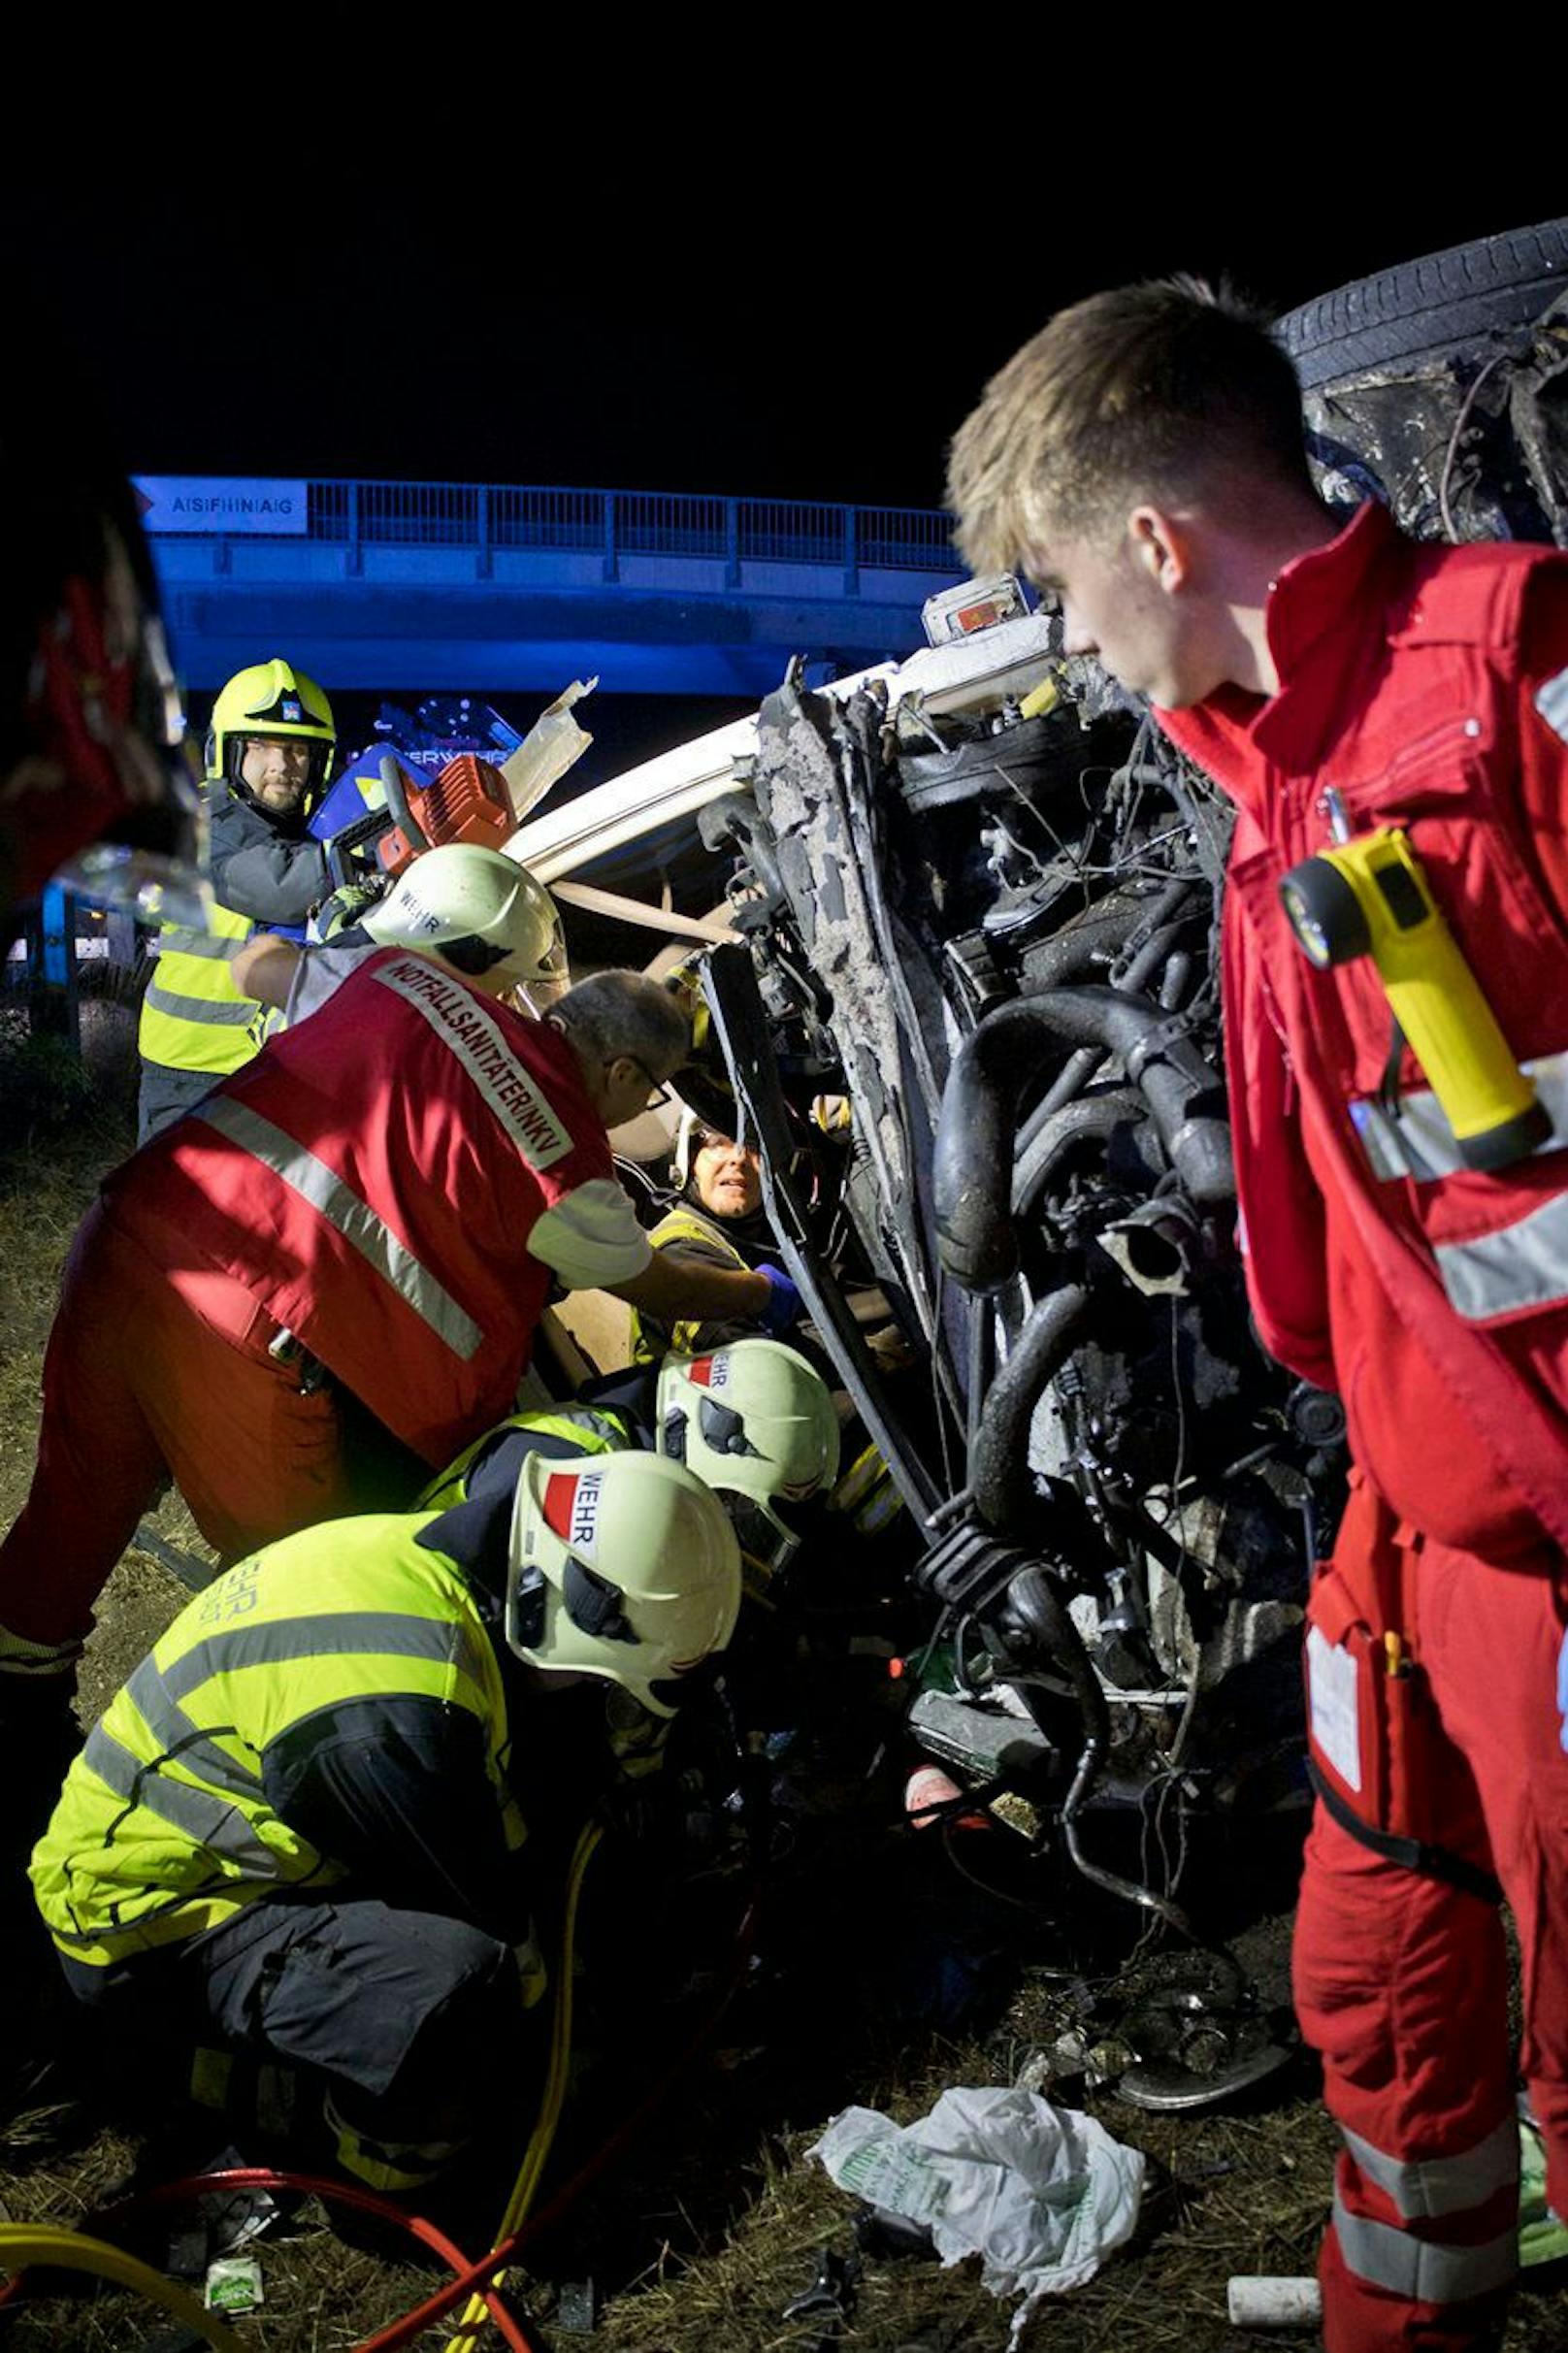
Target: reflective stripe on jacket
(578, 1429)
(193, 1017)
(372, 1180)
(163, 1828)
(1403, 686)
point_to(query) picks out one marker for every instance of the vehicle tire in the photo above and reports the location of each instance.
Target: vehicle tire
(1437, 304)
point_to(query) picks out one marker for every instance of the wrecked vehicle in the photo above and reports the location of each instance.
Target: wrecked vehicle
(976, 899)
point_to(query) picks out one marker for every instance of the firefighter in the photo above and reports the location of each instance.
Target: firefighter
(1143, 460)
(718, 1218)
(297, 1834)
(753, 1420)
(268, 748)
(311, 1292)
(482, 912)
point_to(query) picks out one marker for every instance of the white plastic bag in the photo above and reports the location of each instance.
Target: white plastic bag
(1043, 2194)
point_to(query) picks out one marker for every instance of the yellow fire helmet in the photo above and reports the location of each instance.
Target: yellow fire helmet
(755, 1422)
(484, 913)
(271, 699)
(623, 1567)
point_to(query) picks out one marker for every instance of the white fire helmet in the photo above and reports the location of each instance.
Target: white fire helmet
(621, 1565)
(755, 1422)
(484, 913)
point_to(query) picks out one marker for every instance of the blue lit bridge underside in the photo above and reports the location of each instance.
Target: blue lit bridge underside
(405, 585)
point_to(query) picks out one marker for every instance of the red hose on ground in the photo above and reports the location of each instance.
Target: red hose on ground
(470, 2275)
(268, 2177)
(399, 2332)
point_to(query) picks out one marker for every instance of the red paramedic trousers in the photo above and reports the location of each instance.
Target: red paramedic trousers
(157, 1365)
(1401, 1980)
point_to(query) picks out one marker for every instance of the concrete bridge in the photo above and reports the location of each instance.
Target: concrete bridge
(504, 587)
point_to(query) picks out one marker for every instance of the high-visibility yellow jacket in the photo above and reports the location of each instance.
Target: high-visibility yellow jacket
(566, 1430)
(193, 1017)
(266, 872)
(704, 1239)
(164, 1827)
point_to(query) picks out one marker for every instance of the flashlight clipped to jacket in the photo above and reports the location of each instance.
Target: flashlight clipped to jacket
(1367, 896)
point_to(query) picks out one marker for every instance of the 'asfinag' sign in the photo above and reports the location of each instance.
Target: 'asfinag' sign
(216, 504)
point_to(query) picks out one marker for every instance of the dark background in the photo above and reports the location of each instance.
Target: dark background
(799, 298)
(603, 274)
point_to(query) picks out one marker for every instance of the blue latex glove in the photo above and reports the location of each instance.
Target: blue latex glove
(783, 1310)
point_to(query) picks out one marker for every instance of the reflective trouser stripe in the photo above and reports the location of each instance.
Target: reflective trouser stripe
(1422, 2187)
(1420, 1143)
(1524, 1265)
(172, 941)
(1418, 2268)
(389, 2165)
(335, 1201)
(218, 1012)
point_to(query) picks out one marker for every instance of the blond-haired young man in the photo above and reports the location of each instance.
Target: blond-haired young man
(1142, 459)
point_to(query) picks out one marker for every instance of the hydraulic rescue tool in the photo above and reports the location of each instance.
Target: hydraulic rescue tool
(1368, 896)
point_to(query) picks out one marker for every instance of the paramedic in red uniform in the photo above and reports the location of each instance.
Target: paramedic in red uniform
(330, 1271)
(1142, 458)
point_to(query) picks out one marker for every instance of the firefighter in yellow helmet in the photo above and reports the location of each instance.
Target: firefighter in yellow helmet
(268, 748)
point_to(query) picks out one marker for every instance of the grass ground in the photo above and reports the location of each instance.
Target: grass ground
(715, 2218)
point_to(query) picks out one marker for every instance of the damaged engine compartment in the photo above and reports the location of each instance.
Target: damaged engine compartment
(995, 934)
(994, 930)
(974, 1031)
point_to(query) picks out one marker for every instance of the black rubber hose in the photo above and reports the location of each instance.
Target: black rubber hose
(1000, 1479)
(1094, 1115)
(1033, 1601)
(1080, 1066)
(397, 800)
(973, 1162)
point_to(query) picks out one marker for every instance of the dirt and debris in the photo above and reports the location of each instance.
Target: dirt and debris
(715, 2229)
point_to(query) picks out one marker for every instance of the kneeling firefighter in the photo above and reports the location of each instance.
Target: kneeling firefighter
(753, 1420)
(298, 1831)
(268, 748)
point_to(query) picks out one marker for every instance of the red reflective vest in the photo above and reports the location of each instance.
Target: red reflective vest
(373, 1179)
(1434, 1298)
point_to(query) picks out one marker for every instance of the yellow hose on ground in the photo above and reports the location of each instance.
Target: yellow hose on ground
(29, 2242)
(535, 2156)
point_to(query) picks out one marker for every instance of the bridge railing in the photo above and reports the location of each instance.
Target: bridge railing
(489, 516)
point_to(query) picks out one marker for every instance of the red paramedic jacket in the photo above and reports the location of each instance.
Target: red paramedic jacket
(373, 1177)
(1429, 685)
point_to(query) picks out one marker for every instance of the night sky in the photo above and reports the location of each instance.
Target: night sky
(403, 298)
